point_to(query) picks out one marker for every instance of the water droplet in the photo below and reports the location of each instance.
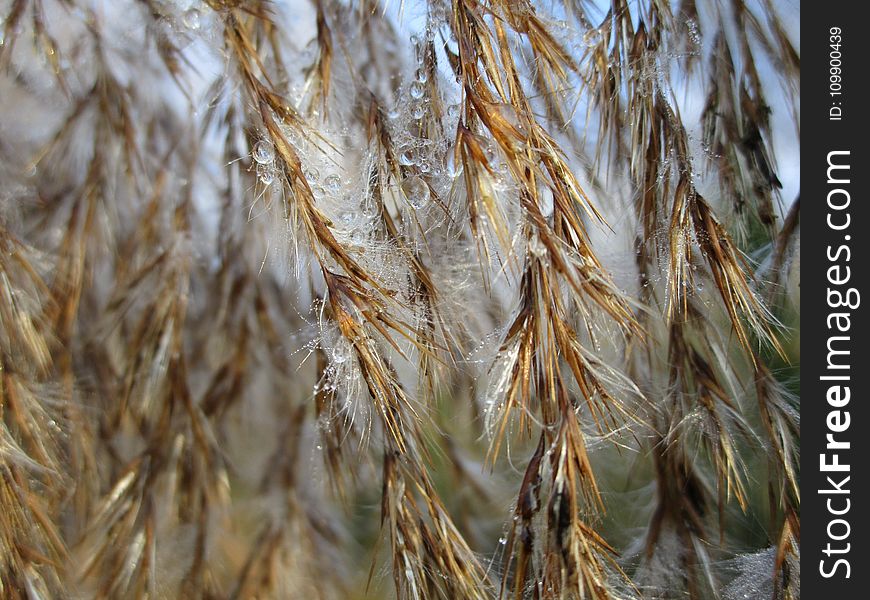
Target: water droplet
(417, 90)
(294, 136)
(312, 174)
(394, 114)
(192, 19)
(422, 75)
(346, 218)
(332, 184)
(340, 354)
(489, 153)
(370, 210)
(407, 157)
(418, 112)
(416, 191)
(264, 152)
(266, 175)
(358, 237)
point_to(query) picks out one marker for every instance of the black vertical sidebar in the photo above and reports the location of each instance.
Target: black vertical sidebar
(835, 368)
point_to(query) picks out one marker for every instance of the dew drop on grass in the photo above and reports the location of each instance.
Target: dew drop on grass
(340, 354)
(418, 112)
(312, 174)
(489, 152)
(346, 218)
(267, 176)
(416, 191)
(264, 152)
(417, 90)
(332, 184)
(406, 158)
(422, 75)
(358, 237)
(191, 19)
(370, 210)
